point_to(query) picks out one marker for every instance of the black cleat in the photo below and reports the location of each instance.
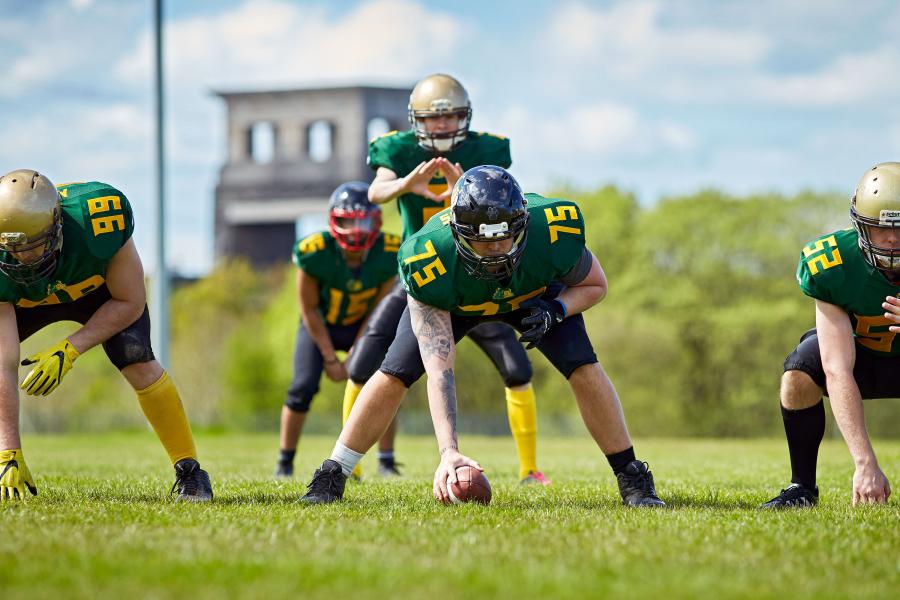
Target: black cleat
(636, 485)
(327, 484)
(795, 496)
(284, 470)
(191, 482)
(388, 467)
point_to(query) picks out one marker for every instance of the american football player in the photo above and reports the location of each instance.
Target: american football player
(419, 167)
(494, 255)
(342, 273)
(66, 254)
(852, 354)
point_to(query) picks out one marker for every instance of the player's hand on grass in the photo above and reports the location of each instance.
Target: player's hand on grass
(891, 306)
(15, 477)
(451, 460)
(336, 370)
(870, 486)
(51, 365)
(417, 180)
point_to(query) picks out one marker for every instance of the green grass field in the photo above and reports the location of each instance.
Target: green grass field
(103, 526)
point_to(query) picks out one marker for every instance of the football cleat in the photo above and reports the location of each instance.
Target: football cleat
(535, 478)
(636, 485)
(327, 484)
(191, 482)
(284, 470)
(388, 467)
(795, 496)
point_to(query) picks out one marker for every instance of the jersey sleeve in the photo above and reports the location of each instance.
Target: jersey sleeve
(810, 284)
(496, 150)
(383, 152)
(822, 271)
(108, 221)
(424, 272)
(309, 254)
(559, 225)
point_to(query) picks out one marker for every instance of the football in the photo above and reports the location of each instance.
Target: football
(472, 486)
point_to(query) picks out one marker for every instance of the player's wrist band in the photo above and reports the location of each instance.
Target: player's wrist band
(565, 309)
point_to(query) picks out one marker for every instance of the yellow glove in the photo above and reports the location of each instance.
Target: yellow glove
(52, 365)
(14, 476)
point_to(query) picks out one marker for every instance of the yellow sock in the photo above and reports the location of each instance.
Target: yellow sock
(522, 411)
(162, 407)
(350, 393)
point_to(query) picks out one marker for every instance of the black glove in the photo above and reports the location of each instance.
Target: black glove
(541, 315)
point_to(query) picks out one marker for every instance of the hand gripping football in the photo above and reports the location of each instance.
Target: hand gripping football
(472, 486)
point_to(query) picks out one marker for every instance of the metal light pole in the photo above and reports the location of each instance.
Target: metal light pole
(160, 296)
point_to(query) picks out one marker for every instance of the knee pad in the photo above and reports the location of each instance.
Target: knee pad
(132, 344)
(519, 374)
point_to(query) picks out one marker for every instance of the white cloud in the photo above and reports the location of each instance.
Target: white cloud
(849, 79)
(629, 39)
(276, 43)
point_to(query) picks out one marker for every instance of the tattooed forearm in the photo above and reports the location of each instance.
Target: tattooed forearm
(448, 395)
(432, 328)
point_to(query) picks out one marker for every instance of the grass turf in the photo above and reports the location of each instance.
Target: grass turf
(102, 525)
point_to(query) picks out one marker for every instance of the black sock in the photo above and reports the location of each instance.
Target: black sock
(286, 457)
(805, 429)
(620, 460)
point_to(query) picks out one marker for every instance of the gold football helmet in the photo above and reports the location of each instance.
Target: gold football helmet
(434, 96)
(30, 219)
(876, 203)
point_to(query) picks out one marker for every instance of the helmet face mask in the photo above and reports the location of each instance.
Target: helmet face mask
(875, 207)
(488, 206)
(353, 221)
(439, 96)
(30, 221)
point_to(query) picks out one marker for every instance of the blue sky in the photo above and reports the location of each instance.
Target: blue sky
(659, 97)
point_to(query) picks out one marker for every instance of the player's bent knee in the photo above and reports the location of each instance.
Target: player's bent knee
(798, 390)
(142, 375)
(300, 405)
(520, 375)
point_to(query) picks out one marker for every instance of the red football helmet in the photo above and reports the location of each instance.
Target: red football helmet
(353, 221)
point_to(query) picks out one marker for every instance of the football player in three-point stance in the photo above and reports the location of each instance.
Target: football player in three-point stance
(419, 167)
(853, 352)
(66, 254)
(492, 256)
(342, 274)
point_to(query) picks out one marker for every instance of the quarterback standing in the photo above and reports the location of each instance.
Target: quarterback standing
(494, 255)
(66, 254)
(418, 168)
(342, 273)
(853, 352)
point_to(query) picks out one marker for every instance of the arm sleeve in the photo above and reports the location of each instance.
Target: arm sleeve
(581, 269)
(380, 154)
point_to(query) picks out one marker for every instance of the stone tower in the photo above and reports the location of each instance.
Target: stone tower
(318, 139)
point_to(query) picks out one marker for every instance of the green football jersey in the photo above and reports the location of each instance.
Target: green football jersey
(97, 221)
(401, 153)
(832, 269)
(346, 295)
(432, 273)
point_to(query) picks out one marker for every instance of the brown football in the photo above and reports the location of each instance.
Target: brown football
(472, 486)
